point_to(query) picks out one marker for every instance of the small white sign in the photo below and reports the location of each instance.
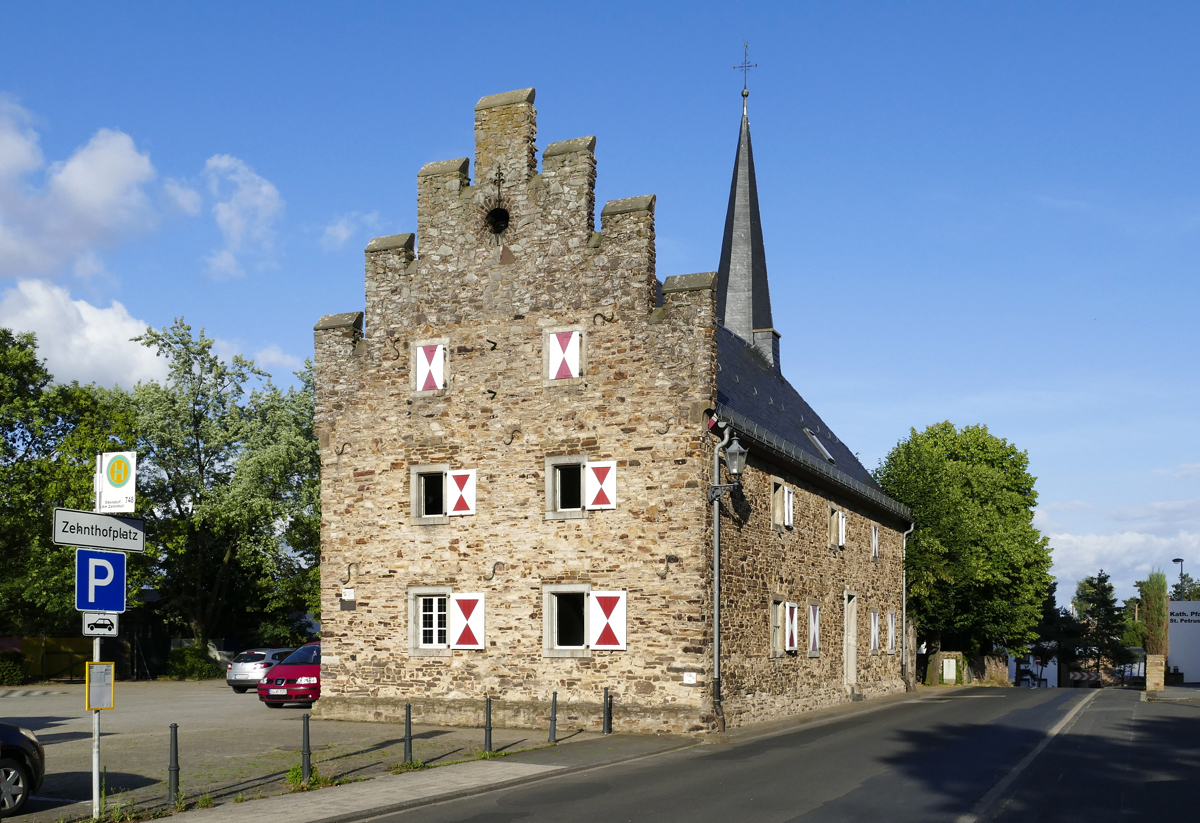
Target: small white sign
(99, 694)
(117, 482)
(100, 624)
(348, 594)
(949, 670)
(689, 678)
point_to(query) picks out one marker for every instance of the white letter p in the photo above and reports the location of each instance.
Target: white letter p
(93, 581)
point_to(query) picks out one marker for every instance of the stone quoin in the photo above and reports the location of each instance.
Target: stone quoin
(517, 442)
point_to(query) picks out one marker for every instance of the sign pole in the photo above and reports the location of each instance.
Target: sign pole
(96, 659)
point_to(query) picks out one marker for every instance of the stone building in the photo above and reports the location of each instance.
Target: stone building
(518, 440)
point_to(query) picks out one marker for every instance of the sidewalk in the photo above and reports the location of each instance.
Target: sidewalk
(1188, 691)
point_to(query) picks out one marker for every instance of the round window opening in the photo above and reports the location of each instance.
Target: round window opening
(497, 220)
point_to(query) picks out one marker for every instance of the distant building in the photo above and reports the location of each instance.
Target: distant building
(517, 444)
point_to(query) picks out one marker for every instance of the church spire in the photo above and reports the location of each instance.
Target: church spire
(743, 296)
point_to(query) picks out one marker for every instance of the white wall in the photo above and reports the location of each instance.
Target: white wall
(1183, 638)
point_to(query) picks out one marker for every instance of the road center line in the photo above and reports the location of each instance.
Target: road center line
(990, 799)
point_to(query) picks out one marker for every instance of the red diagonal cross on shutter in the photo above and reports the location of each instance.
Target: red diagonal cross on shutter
(791, 627)
(467, 638)
(607, 604)
(461, 506)
(607, 637)
(430, 352)
(564, 340)
(601, 473)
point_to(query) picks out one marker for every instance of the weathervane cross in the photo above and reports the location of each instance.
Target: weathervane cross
(746, 66)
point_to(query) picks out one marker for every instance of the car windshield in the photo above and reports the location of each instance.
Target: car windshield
(305, 654)
(249, 657)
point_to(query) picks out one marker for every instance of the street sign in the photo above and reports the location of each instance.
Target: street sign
(118, 482)
(99, 692)
(99, 531)
(100, 624)
(99, 581)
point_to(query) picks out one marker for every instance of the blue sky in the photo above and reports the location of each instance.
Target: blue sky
(986, 212)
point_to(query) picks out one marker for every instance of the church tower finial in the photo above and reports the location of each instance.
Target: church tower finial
(743, 295)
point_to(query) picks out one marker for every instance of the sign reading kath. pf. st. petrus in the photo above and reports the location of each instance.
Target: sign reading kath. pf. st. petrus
(99, 531)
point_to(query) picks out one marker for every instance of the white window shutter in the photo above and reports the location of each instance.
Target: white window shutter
(791, 633)
(431, 367)
(466, 621)
(874, 540)
(461, 485)
(606, 620)
(814, 628)
(874, 631)
(563, 362)
(841, 528)
(788, 507)
(600, 485)
(891, 631)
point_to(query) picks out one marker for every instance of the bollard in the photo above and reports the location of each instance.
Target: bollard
(173, 767)
(606, 723)
(554, 717)
(408, 732)
(487, 725)
(305, 753)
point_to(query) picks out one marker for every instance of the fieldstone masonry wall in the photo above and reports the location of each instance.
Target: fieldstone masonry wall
(648, 376)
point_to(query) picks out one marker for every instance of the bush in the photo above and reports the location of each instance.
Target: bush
(191, 663)
(11, 666)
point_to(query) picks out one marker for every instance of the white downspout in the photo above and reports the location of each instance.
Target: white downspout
(904, 605)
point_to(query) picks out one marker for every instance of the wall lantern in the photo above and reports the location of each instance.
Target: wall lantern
(735, 457)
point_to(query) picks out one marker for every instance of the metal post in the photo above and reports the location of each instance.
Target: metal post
(554, 717)
(408, 732)
(96, 743)
(305, 752)
(487, 725)
(173, 767)
(606, 723)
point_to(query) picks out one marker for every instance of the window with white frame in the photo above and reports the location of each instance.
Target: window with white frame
(874, 631)
(427, 497)
(565, 620)
(778, 627)
(782, 505)
(874, 541)
(564, 487)
(891, 629)
(434, 619)
(814, 629)
(820, 447)
(837, 527)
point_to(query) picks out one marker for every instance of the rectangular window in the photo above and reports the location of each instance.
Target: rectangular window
(874, 541)
(432, 494)
(569, 627)
(778, 623)
(837, 528)
(568, 488)
(820, 447)
(814, 629)
(874, 631)
(433, 622)
(777, 489)
(891, 647)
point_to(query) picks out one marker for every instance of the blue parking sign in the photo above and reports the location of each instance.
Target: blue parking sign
(99, 581)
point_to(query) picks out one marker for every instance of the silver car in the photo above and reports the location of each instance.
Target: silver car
(249, 667)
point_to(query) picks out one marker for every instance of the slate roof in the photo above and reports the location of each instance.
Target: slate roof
(762, 405)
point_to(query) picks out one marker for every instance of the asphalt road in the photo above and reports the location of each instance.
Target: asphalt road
(963, 755)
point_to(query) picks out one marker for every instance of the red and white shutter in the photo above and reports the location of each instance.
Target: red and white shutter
(564, 354)
(841, 528)
(814, 628)
(791, 632)
(606, 620)
(600, 485)
(874, 631)
(466, 621)
(431, 367)
(874, 540)
(789, 516)
(461, 484)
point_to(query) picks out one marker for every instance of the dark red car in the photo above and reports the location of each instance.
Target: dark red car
(296, 680)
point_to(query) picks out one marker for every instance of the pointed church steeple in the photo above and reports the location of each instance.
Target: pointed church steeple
(743, 296)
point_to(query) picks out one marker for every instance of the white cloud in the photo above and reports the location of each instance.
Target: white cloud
(1126, 556)
(95, 197)
(1166, 515)
(274, 356)
(80, 341)
(346, 226)
(246, 210)
(182, 196)
(1182, 470)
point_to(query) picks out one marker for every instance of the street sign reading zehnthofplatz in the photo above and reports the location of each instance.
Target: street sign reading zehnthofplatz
(99, 531)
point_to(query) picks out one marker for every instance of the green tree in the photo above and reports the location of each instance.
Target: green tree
(1185, 588)
(978, 570)
(1096, 608)
(49, 436)
(1133, 632)
(229, 476)
(1059, 634)
(1155, 611)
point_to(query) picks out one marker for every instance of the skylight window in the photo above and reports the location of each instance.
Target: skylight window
(820, 447)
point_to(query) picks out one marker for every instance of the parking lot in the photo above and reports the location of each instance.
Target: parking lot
(230, 745)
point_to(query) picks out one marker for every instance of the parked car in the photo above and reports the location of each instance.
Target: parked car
(249, 667)
(22, 767)
(296, 680)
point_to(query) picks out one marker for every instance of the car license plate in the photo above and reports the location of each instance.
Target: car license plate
(240, 676)
(276, 691)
